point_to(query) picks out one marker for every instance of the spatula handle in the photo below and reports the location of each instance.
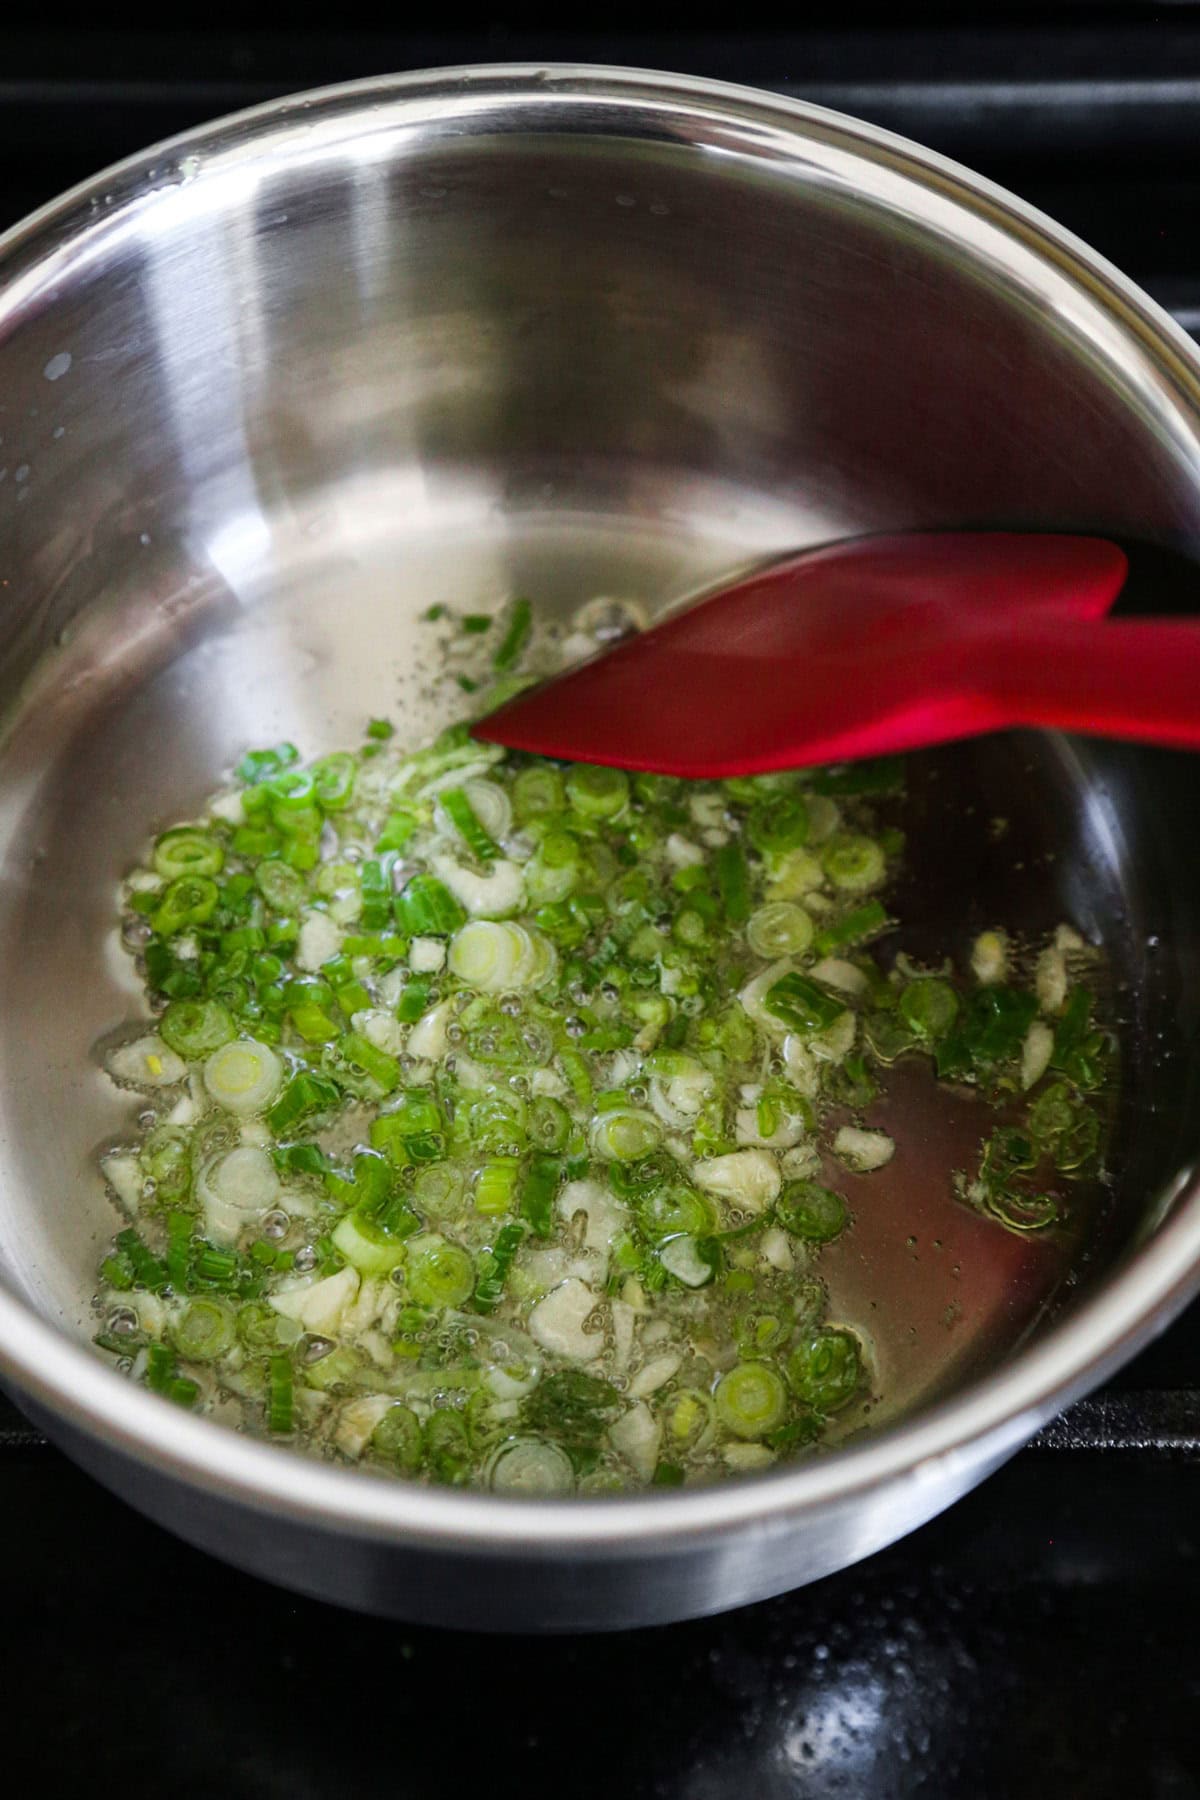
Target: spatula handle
(1137, 679)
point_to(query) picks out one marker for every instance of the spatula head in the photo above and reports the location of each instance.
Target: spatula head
(860, 648)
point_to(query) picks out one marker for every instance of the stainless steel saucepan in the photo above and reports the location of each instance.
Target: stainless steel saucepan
(268, 391)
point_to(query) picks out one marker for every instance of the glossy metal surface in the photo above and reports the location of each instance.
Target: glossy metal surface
(269, 391)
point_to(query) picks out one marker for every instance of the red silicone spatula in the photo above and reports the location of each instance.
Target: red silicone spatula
(871, 646)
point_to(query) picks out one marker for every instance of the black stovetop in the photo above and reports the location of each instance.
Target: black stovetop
(1038, 1639)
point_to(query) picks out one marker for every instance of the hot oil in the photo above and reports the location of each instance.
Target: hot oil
(133, 721)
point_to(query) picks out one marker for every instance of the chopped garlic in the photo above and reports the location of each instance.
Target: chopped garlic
(357, 1420)
(319, 1305)
(989, 958)
(746, 1178)
(682, 853)
(655, 1374)
(557, 1321)
(492, 895)
(835, 1043)
(124, 1176)
(624, 1319)
(743, 1459)
(863, 1151)
(636, 1436)
(146, 1063)
(775, 1248)
(426, 955)
(1051, 980)
(320, 941)
(836, 972)
(427, 1038)
(229, 807)
(1036, 1053)
(380, 1028)
(795, 876)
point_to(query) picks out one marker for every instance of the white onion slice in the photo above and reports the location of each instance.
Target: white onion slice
(243, 1076)
(237, 1189)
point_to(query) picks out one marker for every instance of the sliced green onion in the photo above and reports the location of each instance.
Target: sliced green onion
(291, 794)
(258, 1326)
(462, 816)
(1021, 1211)
(491, 806)
(117, 1271)
(258, 766)
(530, 1466)
(812, 1212)
(801, 1004)
(333, 780)
(162, 1376)
(301, 1159)
(237, 1187)
(994, 1025)
(889, 1037)
(281, 887)
(186, 851)
(191, 900)
(826, 1371)
(244, 1077)
(367, 1188)
(196, 1028)
(367, 1245)
(397, 1439)
(542, 1180)
(578, 1074)
(363, 1069)
(438, 1191)
(494, 1266)
(304, 1095)
(597, 793)
(537, 792)
(496, 1185)
(427, 908)
(625, 1136)
(516, 635)
(412, 1132)
(439, 1273)
(751, 1400)
(929, 1007)
(781, 928)
(552, 873)
(280, 1396)
(687, 1418)
(494, 1119)
(205, 1331)
(398, 828)
(857, 927)
(498, 957)
(448, 1454)
(148, 1271)
(778, 824)
(854, 864)
(669, 1211)
(549, 1123)
(733, 881)
(414, 1001)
